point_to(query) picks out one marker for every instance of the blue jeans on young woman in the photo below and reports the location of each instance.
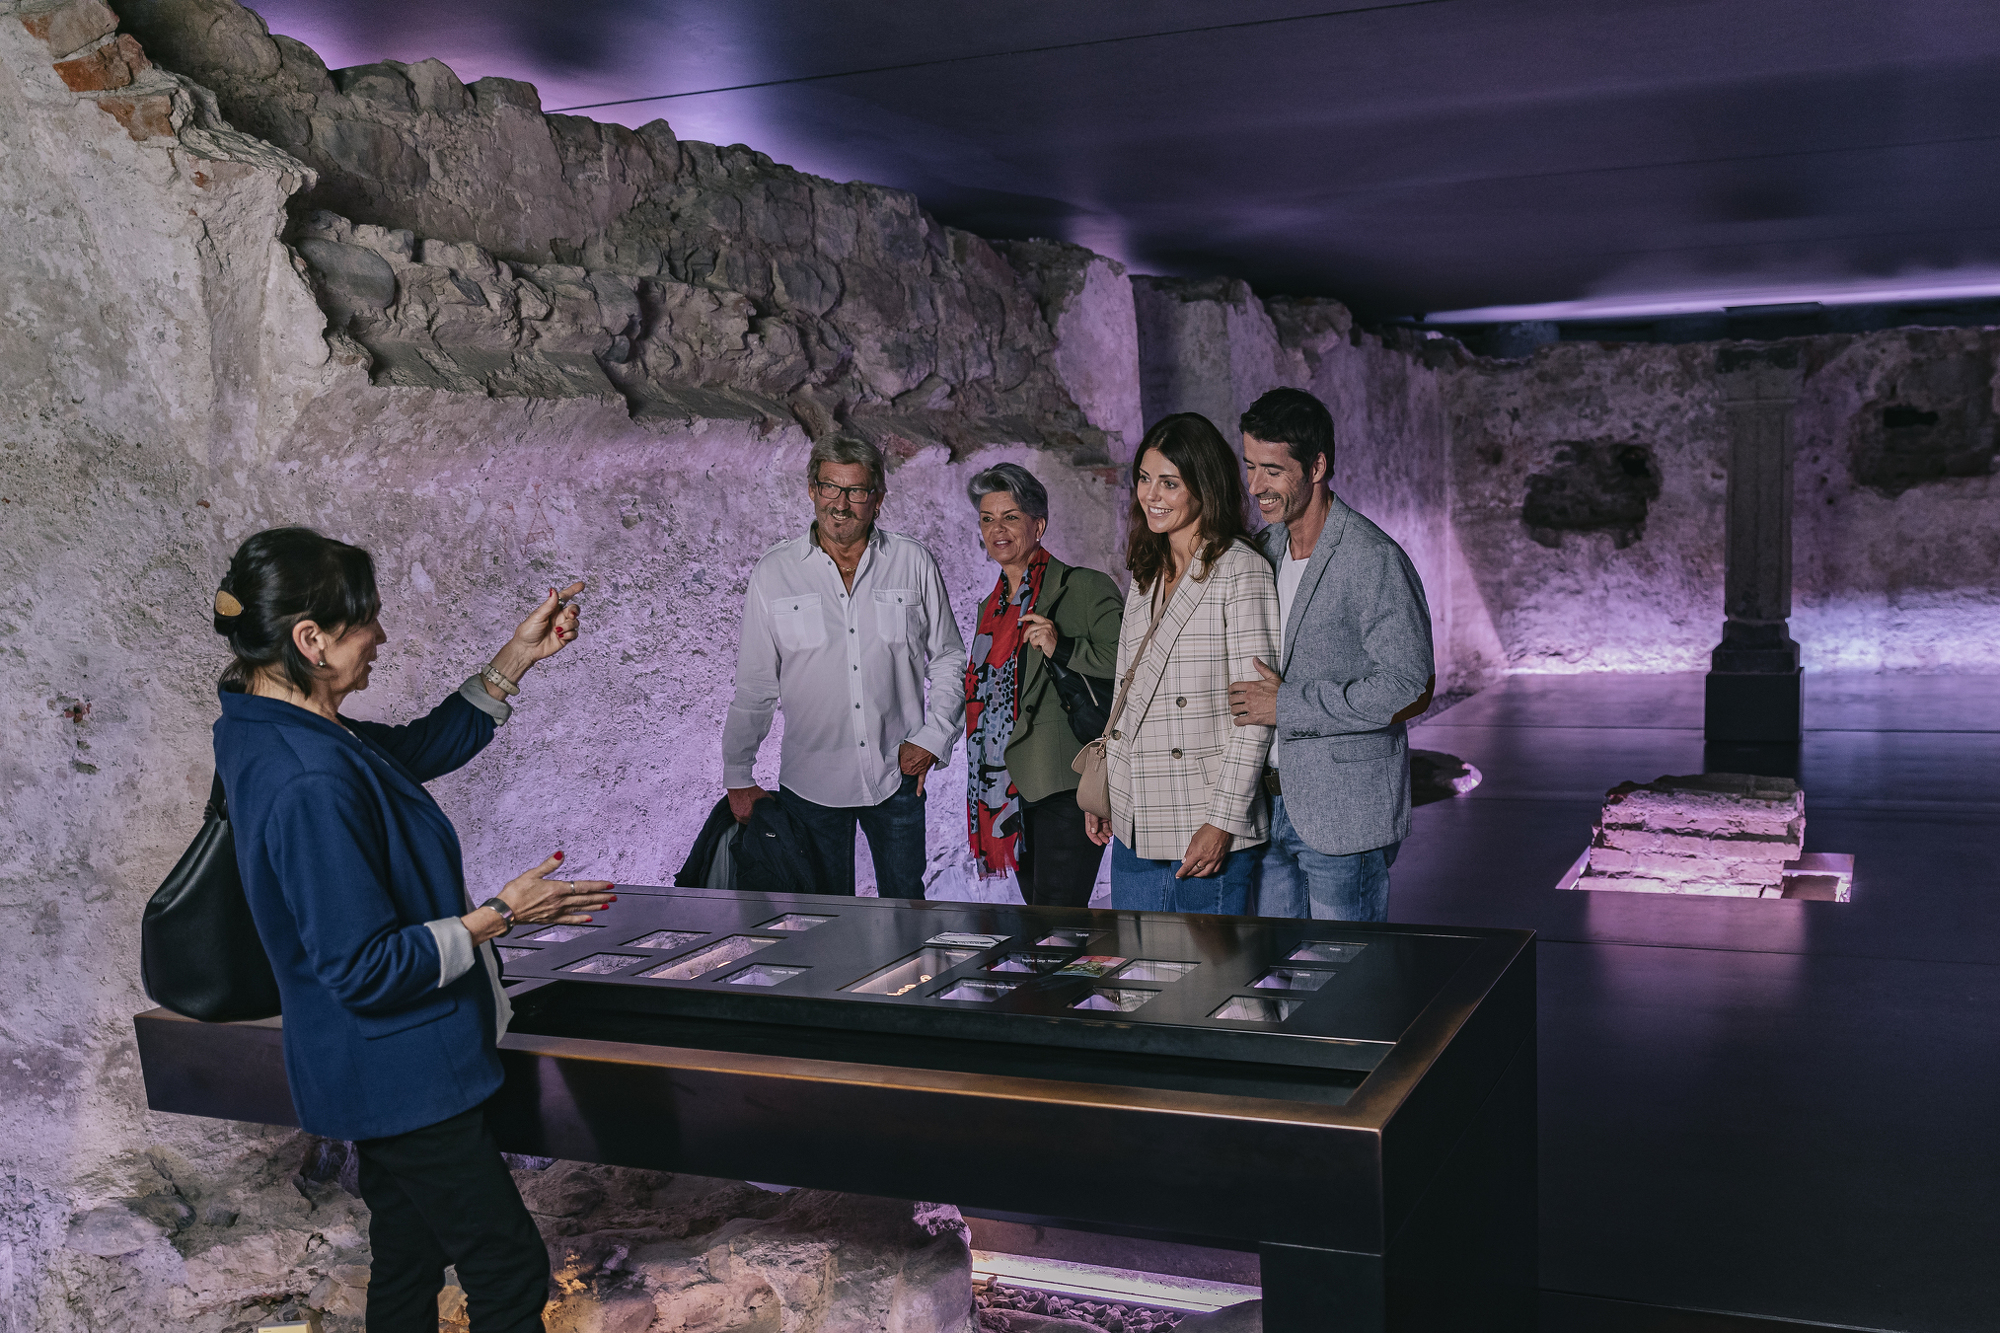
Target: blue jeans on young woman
(1141, 885)
(895, 830)
(1294, 879)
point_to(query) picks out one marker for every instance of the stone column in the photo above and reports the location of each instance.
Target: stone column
(1754, 674)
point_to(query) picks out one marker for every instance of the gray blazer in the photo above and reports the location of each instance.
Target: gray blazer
(1357, 651)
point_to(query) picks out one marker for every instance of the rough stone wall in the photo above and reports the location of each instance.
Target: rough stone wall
(473, 242)
(169, 383)
(1589, 479)
(1896, 520)
(1592, 600)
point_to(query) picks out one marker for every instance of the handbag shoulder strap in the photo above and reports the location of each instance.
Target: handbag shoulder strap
(218, 801)
(1125, 685)
(1021, 653)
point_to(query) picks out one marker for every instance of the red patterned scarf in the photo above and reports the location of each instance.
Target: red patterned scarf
(992, 702)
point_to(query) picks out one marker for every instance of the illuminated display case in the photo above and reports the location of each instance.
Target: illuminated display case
(1354, 1102)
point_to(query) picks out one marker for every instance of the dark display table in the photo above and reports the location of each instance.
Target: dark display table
(1356, 1103)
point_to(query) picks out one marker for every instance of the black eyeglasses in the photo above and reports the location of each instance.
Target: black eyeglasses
(854, 495)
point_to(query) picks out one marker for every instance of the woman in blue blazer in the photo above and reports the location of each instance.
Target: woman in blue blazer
(392, 999)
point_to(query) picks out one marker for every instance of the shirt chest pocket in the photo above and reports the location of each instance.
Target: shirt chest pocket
(798, 622)
(899, 617)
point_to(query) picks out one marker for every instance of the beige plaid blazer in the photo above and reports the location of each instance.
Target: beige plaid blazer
(1176, 760)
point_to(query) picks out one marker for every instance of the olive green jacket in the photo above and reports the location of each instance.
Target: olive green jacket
(1086, 609)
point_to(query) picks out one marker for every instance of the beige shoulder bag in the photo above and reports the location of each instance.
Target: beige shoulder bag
(1093, 794)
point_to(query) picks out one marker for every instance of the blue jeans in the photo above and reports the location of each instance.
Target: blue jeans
(1295, 880)
(895, 830)
(1140, 885)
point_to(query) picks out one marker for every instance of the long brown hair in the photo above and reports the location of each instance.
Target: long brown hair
(1209, 470)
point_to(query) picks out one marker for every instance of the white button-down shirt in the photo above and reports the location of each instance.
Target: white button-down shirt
(848, 667)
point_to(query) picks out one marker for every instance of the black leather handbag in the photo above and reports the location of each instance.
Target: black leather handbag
(1086, 699)
(199, 954)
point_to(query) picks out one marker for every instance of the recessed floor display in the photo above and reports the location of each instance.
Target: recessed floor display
(1110, 1000)
(719, 954)
(1065, 939)
(562, 934)
(604, 964)
(666, 940)
(983, 991)
(1249, 1009)
(795, 921)
(906, 974)
(1291, 978)
(1325, 951)
(762, 974)
(1154, 969)
(515, 955)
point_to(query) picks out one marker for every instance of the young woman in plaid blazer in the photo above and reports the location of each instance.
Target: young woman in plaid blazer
(1187, 804)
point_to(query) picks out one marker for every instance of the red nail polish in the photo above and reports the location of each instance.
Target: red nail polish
(558, 856)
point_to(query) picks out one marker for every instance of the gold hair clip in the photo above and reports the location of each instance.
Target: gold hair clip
(226, 605)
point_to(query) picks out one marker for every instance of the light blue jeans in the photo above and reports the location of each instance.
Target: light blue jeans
(1142, 885)
(1296, 880)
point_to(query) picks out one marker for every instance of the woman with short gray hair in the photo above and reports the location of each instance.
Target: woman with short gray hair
(1021, 808)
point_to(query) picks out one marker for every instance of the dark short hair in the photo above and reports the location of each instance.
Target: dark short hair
(280, 577)
(1029, 494)
(1214, 479)
(1297, 420)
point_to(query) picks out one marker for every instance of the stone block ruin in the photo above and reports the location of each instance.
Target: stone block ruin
(1727, 835)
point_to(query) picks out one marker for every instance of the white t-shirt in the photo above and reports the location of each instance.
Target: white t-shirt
(1290, 573)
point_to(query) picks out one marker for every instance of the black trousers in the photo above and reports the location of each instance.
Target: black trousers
(1058, 861)
(441, 1195)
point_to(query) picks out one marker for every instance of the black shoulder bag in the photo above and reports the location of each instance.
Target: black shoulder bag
(1086, 699)
(199, 954)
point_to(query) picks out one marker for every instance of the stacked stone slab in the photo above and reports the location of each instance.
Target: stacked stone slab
(1723, 834)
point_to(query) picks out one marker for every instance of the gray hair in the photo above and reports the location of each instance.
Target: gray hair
(1029, 494)
(846, 449)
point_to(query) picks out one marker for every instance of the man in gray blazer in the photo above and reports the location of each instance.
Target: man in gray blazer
(1354, 666)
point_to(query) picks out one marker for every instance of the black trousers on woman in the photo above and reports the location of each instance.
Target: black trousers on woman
(1058, 862)
(441, 1196)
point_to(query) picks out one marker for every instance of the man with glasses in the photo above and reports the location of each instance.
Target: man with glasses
(849, 631)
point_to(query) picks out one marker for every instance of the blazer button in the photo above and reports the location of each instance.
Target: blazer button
(1181, 702)
(1115, 736)
(1177, 754)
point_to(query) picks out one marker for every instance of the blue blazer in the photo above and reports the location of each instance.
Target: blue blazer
(344, 857)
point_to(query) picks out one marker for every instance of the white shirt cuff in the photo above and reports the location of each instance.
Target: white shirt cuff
(475, 694)
(454, 943)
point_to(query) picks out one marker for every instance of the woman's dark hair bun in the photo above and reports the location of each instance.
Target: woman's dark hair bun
(280, 577)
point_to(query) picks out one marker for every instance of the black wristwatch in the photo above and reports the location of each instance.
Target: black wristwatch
(506, 913)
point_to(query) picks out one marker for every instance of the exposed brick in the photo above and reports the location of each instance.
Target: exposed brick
(149, 117)
(68, 28)
(112, 65)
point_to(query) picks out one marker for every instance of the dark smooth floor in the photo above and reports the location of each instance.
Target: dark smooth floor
(1780, 1109)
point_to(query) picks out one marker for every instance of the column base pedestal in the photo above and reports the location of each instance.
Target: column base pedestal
(1754, 708)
